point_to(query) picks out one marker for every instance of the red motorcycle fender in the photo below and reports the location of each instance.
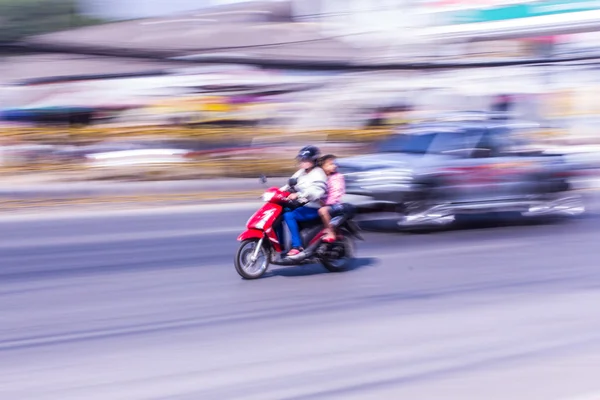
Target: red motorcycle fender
(251, 234)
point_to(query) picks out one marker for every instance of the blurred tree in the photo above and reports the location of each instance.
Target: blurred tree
(20, 18)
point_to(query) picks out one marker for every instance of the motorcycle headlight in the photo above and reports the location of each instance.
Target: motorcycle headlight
(268, 196)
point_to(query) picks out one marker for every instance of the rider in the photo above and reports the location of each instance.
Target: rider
(310, 190)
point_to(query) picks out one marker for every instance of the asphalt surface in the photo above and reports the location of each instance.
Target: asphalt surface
(147, 305)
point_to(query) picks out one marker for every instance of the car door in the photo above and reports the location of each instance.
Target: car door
(487, 173)
(474, 175)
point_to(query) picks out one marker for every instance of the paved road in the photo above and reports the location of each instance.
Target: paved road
(147, 305)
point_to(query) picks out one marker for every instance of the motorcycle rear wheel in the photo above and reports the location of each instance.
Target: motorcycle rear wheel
(341, 264)
(244, 265)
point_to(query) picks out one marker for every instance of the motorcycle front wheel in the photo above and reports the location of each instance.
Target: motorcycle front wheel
(243, 260)
(343, 262)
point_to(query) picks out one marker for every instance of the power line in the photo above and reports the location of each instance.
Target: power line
(281, 63)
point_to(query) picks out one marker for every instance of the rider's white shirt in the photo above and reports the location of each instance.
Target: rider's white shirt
(312, 186)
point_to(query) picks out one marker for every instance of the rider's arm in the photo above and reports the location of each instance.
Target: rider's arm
(286, 187)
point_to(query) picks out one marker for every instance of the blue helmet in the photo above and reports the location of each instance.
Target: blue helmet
(309, 153)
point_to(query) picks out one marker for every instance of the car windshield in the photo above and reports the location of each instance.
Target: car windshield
(441, 142)
(407, 144)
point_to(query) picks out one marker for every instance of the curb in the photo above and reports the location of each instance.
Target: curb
(83, 189)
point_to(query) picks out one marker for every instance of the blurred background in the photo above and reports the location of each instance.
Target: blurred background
(196, 106)
(83, 77)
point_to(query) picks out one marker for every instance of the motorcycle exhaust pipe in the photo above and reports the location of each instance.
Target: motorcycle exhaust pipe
(354, 229)
(351, 225)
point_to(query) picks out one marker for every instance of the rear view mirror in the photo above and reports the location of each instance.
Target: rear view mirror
(292, 182)
(263, 179)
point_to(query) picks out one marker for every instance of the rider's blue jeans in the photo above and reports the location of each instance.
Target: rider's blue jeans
(302, 214)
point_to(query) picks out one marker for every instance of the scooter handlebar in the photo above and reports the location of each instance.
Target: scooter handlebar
(274, 195)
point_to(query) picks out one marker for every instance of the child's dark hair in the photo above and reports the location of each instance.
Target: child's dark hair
(326, 158)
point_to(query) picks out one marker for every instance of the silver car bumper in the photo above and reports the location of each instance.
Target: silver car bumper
(443, 214)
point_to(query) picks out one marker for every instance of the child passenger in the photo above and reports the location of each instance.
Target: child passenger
(336, 188)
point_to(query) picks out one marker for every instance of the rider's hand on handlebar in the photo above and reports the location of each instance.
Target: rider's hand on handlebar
(293, 196)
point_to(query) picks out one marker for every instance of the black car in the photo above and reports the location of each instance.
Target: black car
(435, 170)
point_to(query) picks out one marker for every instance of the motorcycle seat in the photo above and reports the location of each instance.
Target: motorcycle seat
(308, 234)
(304, 225)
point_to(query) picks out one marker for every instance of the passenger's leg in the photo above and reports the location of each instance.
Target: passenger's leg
(326, 218)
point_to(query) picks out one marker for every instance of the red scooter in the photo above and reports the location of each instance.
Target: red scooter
(261, 247)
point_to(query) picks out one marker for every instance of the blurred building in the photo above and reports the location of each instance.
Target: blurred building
(540, 22)
(389, 25)
(302, 32)
(356, 15)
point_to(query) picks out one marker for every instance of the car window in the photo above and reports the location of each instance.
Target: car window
(407, 143)
(501, 143)
(459, 143)
(451, 142)
(487, 146)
